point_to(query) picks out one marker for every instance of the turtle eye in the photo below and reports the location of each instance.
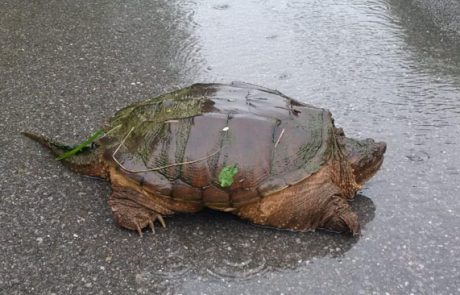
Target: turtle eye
(339, 131)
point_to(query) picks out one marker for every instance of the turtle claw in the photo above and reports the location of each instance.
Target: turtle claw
(155, 218)
(152, 226)
(162, 221)
(139, 230)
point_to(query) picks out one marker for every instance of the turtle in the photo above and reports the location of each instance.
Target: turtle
(238, 148)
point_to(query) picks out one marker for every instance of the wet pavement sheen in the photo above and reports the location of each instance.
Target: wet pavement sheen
(382, 67)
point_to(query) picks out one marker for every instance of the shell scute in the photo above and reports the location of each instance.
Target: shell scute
(185, 191)
(215, 196)
(242, 197)
(205, 138)
(248, 144)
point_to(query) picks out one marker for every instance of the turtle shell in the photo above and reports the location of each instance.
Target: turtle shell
(175, 145)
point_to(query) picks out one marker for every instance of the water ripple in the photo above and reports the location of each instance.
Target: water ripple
(173, 266)
(187, 49)
(237, 269)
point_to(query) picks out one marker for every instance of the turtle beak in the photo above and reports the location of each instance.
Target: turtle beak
(380, 148)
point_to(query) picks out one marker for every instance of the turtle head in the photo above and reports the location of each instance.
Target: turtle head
(365, 156)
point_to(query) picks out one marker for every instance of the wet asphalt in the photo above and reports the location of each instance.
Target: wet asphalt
(445, 14)
(385, 69)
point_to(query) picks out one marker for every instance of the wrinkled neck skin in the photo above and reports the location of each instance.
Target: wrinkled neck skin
(365, 156)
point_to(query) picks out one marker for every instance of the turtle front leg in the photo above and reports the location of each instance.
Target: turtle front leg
(304, 206)
(339, 217)
(131, 214)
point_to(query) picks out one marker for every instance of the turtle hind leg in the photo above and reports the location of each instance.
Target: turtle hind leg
(131, 214)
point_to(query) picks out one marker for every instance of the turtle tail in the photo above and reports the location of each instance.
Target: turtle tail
(88, 161)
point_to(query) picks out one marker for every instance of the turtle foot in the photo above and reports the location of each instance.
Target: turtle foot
(131, 215)
(340, 218)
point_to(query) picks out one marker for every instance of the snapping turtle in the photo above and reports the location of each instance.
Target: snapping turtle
(237, 148)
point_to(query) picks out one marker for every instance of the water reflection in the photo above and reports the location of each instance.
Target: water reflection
(213, 246)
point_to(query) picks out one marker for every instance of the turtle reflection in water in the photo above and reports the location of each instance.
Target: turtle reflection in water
(291, 167)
